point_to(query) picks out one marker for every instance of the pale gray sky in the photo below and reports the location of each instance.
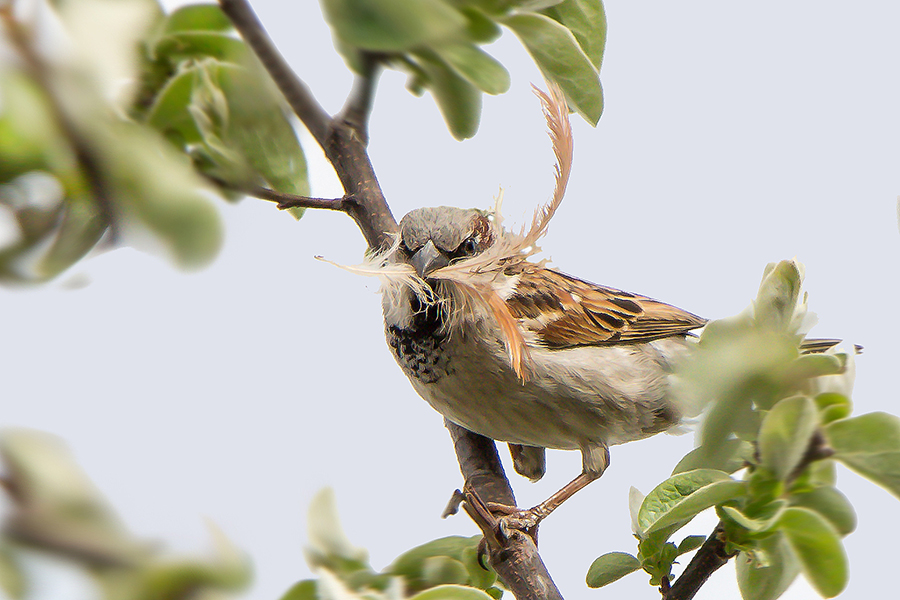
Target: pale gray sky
(735, 134)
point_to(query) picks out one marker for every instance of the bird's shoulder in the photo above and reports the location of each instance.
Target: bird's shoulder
(562, 311)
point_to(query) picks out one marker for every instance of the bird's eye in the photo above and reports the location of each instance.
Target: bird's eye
(468, 247)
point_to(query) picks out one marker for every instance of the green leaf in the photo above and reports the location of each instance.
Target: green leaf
(767, 573)
(302, 590)
(762, 519)
(831, 504)
(394, 25)
(690, 543)
(818, 548)
(475, 66)
(681, 497)
(198, 17)
(785, 434)
(586, 19)
(451, 592)
(611, 567)
(778, 294)
(81, 228)
(561, 60)
(459, 100)
(870, 445)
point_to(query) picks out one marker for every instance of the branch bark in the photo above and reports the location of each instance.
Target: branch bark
(344, 139)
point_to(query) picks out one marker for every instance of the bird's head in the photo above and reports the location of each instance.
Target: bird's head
(431, 238)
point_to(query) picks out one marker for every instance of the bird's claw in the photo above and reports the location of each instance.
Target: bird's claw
(512, 518)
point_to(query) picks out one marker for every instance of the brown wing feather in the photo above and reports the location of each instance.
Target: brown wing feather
(564, 311)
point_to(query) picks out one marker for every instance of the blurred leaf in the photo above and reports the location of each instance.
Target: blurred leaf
(683, 496)
(731, 457)
(870, 445)
(438, 570)
(480, 28)
(833, 406)
(611, 567)
(416, 566)
(12, 579)
(171, 206)
(475, 66)
(814, 365)
(198, 17)
(561, 60)
(81, 228)
(302, 590)
(327, 540)
(451, 592)
(169, 112)
(394, 25)
(831, 504)
(690, 543)
(459, 101)
(778, 294)
(586, 19)
(785, 435)
(767, 580)
(818, 548)
(178, 46)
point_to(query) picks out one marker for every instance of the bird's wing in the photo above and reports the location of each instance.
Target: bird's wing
(563, 312)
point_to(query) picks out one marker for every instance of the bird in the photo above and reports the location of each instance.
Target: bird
(519, 352)
(592, 364)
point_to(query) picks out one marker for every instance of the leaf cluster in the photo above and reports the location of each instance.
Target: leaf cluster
(438, 43)
(446, 569)
(777, 419)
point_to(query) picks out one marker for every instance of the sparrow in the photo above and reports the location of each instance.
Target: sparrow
(519, 352)
(525, 354)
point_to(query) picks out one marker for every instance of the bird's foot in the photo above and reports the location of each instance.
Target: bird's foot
(510, 518)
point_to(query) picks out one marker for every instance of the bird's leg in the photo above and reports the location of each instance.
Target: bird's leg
(595, 460)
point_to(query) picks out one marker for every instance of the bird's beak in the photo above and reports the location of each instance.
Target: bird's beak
(428, 259)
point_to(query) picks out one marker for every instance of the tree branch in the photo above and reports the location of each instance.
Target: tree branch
(344, 141)
(515, 557)
(358, 107)
(283, 199)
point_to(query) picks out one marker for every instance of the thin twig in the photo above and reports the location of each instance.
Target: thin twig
(283, 199)
(295, 91)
